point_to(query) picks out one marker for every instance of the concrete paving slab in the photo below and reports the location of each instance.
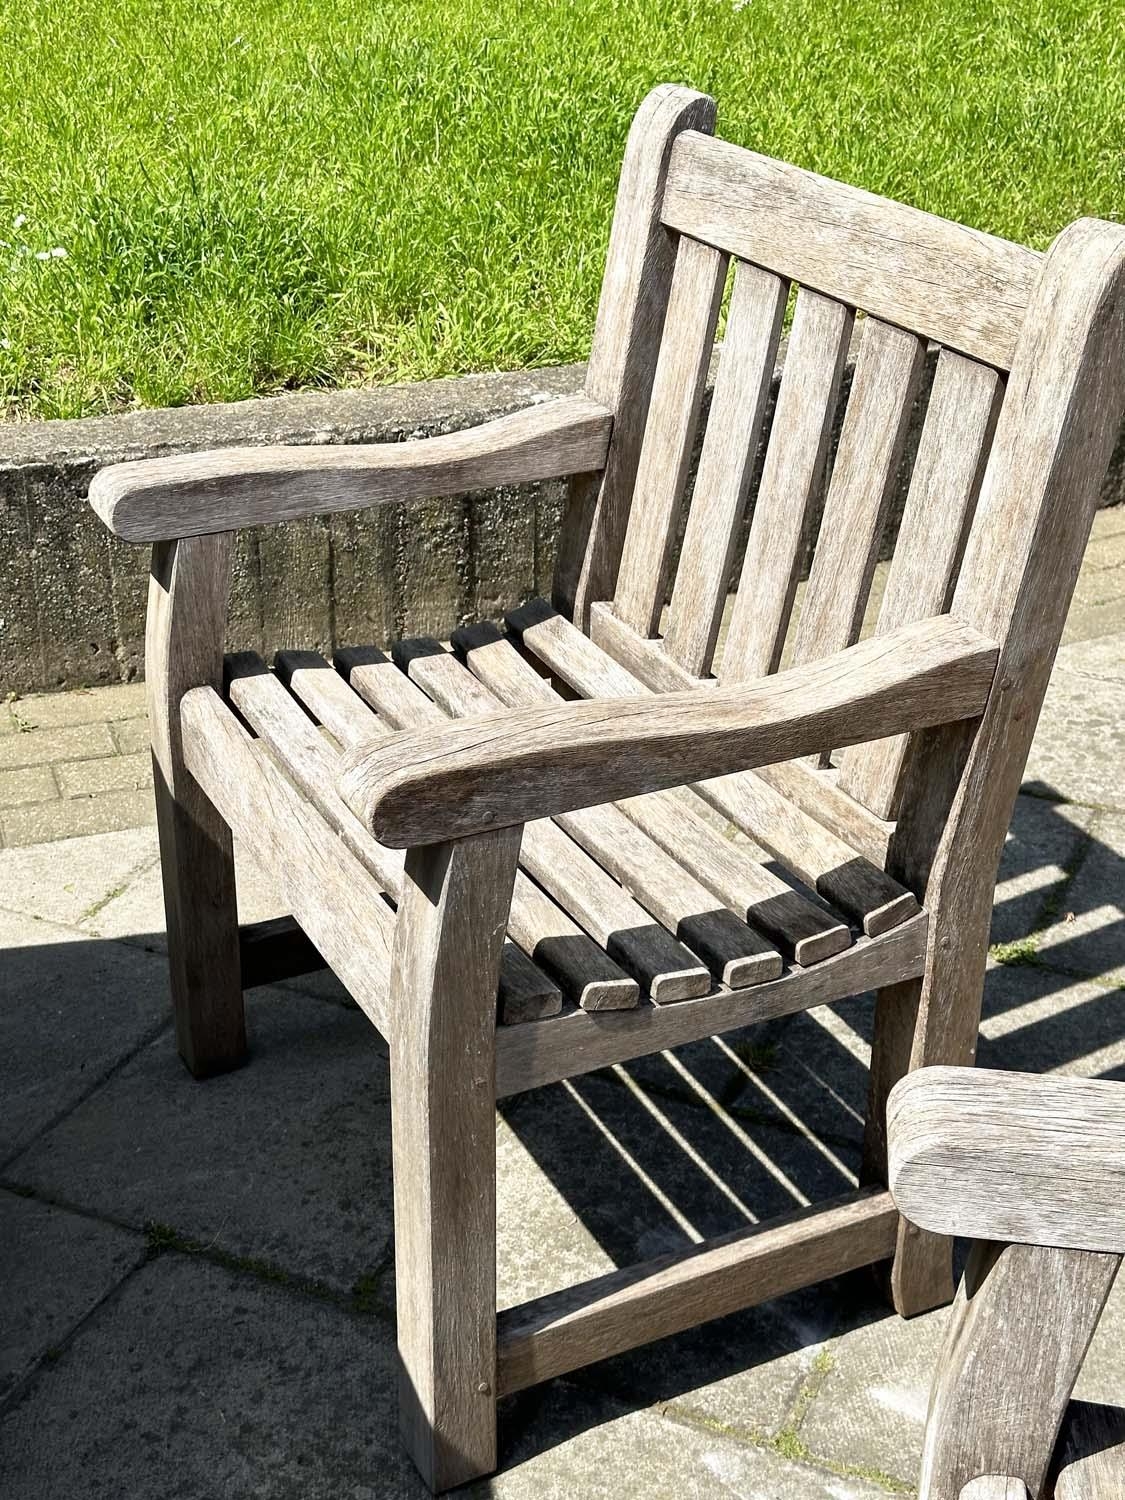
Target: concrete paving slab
(76, 817)
(200, 1381)
(130, 735)
(72, 1010)
(286, 1160)
(1040, 1021)
(28, 785)
(1079, 747)
(89, 778)
(1045, 842)
(65, 883)
(55, 1267)
(1088, 936)
(40, 747)
(125, 700)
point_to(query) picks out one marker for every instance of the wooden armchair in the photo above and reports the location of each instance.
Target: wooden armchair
(1032, 1169)
(562, 868)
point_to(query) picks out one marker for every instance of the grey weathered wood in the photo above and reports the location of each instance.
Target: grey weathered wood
(537, 926)
(730, 446)
(573, 1042)
(672, 818)
(454, 907)
(619, 375)
(736, 955)
(887, 371)
(1090, 1456)
(791, 476)
(1010, 1156)
(960, 420)
(328, 890)
(994, 1487)
(194, 494)
(965, 289)
(547, 761)
(566, 1330)
(1017, 1336)
(187, 604)
(677, 392)
(816, 790)
(275, 949)
(800, 842)
(631, 939)
(1054, 436)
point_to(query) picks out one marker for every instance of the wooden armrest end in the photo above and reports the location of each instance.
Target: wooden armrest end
(195, 494)
(521, 764)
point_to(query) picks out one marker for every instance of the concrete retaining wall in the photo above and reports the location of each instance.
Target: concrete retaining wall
(72, 597)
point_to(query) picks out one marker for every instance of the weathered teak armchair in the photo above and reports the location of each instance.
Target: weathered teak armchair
(561, 861)
(1032, 1169)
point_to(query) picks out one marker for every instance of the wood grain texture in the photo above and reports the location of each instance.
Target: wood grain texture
(566, 1330)
(960, 420)
(1054, 437)
(511, 767)
(673, 416)
(994, 1487)
(791, 478)
(1010, 1156)
(1090, 1455)
(328, 890)
(634, 944)
(276, 949)
(887, 372)
(572, 1043)
(194, 494)
(730, 446)
(525, 992)
(448, 937)
(1018, 1333)
(965, 289)
(735, 954)
(187, 606)
(619, 374)
(853, 882)
(805, 931)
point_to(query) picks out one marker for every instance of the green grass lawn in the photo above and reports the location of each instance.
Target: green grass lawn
(260, 194)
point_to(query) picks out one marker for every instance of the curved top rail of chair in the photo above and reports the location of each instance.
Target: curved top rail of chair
(489, 772)
(195, 494)
(1010, 1156)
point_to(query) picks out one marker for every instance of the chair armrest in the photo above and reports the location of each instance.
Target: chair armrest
(1010, 1156)
(159, 499)
(436, 784)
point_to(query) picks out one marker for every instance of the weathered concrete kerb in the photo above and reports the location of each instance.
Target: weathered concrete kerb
(72, 597)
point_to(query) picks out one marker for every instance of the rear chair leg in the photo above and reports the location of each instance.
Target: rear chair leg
(448, 939)
(187, 608)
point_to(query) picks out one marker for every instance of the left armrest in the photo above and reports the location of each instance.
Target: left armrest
(159, 499)
(486, 773)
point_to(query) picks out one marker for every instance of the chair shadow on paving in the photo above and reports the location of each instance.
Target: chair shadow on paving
(267, 1198)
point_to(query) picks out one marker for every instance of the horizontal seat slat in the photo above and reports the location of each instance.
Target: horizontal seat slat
(675, 818)
(955, 285)
(636, 1304)
(846, 879)
(574, 1042)
(273, 713)
(661, 965)
(536, 923)
(736, 955)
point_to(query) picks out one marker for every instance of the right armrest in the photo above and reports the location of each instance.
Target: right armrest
(1010, 1156)
(161, 499)
(523, 763)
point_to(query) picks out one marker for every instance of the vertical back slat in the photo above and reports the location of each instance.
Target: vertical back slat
(887, 372)
(677, 391)
(791, 475)
(729, 448)
(956, 438)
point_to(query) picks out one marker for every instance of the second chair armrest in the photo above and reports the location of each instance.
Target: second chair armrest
(159, 499)
(510, 767)
(1010, 1156)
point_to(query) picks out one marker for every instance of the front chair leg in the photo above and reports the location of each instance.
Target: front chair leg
(448, 939)
(187, 607)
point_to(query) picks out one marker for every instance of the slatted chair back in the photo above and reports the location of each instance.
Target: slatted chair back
(887, 281)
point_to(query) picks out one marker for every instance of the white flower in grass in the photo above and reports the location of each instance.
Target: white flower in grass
(19, 221)
(57, 253)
